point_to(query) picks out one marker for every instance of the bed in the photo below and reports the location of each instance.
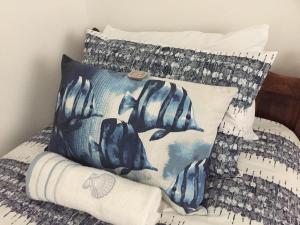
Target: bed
(259, 195)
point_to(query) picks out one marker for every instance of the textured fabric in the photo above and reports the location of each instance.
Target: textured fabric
(259, 196)
(255, 198)
(281, 148)
(154, 131)
(246, 71)
(98, 192)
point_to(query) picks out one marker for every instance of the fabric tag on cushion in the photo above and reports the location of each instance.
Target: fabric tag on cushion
(137, 75)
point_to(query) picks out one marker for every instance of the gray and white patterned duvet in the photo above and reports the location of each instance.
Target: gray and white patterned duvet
(266, 192)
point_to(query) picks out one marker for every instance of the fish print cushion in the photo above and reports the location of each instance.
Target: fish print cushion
(244, 70)
(155, 131)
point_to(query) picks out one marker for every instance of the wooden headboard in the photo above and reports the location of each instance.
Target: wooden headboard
(279, 100)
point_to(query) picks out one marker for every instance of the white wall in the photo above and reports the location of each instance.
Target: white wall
(33, 35)
(209, 16)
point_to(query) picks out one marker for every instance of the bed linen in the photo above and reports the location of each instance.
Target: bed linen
(267, 191)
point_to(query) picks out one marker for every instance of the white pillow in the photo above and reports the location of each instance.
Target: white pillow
(252, 39)
(242, 120)
(249, 39)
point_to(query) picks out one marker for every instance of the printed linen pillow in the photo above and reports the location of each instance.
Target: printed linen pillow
(246, 71)
(155, 131)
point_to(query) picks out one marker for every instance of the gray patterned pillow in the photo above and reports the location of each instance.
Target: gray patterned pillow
(246, 71)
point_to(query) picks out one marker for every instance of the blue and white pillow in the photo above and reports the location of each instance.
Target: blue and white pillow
(155, 131)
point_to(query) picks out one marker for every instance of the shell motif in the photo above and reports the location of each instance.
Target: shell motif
(100, 185)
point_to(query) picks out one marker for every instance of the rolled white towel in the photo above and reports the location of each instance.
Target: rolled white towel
(107, 197)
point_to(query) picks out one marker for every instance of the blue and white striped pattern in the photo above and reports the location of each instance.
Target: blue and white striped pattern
(75, 102)
(119, 147)
(162, 105)
(188, 189)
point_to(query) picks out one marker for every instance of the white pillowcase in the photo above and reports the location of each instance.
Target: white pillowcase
(239, 123)
(249, 39)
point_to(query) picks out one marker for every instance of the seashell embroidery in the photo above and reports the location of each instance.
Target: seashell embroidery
(100, 185)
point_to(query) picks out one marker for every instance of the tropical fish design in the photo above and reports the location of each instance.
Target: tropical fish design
(59, 144)
(120, 147)
(100, 185)
(161, 105)
(74, 103)
(188, 189)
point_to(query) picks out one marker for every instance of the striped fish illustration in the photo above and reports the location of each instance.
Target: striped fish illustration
(188, 189)
(60, 144)
(120, 147)
(100, 185)
(75, 102)
(161, 105)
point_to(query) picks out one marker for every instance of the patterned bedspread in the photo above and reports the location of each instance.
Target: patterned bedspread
(267, 191)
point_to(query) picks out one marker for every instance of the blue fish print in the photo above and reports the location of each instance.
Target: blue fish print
(188, 189)
(61, 146)
(120, 147)
(161, 105)
(74, 103)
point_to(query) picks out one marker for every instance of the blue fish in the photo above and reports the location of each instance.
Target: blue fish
(74, 103)
(161, 105)
(120, 147)
(188, 189)
(60, 144)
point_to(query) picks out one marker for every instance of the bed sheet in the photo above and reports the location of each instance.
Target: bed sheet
(267, 190)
